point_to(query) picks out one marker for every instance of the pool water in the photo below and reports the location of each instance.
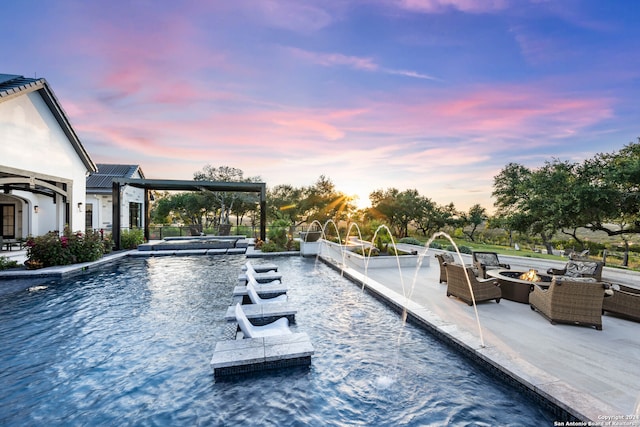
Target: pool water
(130, 344)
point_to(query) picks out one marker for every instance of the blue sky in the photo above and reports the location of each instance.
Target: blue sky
(436, 95)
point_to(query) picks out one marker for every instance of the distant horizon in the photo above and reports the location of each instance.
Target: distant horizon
(432, 95)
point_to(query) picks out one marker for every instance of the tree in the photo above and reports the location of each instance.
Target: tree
(225, 200)
(188, 208)
(532, 201)
(602, 193)
(613, 191)
(318, 202)
(411, 209)
(384, 205)
(476, 216)
(432, 217)
(284, 202)
(322, 202)
(401, 209)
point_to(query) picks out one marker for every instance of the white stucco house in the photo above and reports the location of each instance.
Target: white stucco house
(99, 200)
(43, 165)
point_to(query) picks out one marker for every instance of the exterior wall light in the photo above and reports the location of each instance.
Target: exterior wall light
(79, 206)
(35, 209)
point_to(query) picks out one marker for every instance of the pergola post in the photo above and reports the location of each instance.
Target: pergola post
(115, 213)
(263, 215)
(147, 215)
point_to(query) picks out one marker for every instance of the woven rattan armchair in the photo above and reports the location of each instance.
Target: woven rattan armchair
(625, 301)
(579, 268)
(570, 300)
(443, 260)
(457, 285)
(483, 261)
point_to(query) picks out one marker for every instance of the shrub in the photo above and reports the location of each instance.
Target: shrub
(293, 245)
(410, 241)
(70, 248)
(269, 247)
(436, 245)
(85, 248)
(465, 250)
(6, 263)
(130, 239)
(107, 244)
(365, 251)
(462, 249)
(278, 232)
(395, 251)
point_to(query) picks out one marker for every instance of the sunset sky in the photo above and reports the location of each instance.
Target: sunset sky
(433, 95)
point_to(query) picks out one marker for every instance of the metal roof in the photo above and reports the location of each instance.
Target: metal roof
(102, 180)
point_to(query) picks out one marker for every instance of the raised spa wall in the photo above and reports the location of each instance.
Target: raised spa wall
(344, 254)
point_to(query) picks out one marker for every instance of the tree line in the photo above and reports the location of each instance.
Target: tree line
(599, 194)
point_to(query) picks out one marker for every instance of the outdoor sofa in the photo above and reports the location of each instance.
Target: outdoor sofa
(625, 301)
(579, 268)
(570, 300)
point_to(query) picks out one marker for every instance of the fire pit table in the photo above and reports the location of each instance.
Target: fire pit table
(516, 285)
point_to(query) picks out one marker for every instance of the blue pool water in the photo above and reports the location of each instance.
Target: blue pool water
(130, 344)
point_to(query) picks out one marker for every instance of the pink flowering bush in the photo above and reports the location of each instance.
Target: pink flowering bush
(70, 248)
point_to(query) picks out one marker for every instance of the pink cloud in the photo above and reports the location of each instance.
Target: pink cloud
(411, 129)
(494, 113)
(439, 6)
(354, 62)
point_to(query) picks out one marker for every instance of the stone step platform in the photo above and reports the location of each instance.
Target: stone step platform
(265, 291)
(242, 356)
(262, 314)
(260, 278)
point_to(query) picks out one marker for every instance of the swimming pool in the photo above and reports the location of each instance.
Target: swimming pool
(130, 344)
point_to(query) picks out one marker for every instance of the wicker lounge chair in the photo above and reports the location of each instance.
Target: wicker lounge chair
(483, 261)
(457, 285)
(570, 300)
(625, 301)
(443, 260)
(579, 268)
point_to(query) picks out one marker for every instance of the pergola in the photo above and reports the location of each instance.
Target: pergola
(173, 185)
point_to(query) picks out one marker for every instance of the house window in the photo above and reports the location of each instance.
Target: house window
(8, 221)
(88, 216)
(135, 215)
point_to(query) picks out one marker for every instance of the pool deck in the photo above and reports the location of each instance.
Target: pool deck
(592, 374)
